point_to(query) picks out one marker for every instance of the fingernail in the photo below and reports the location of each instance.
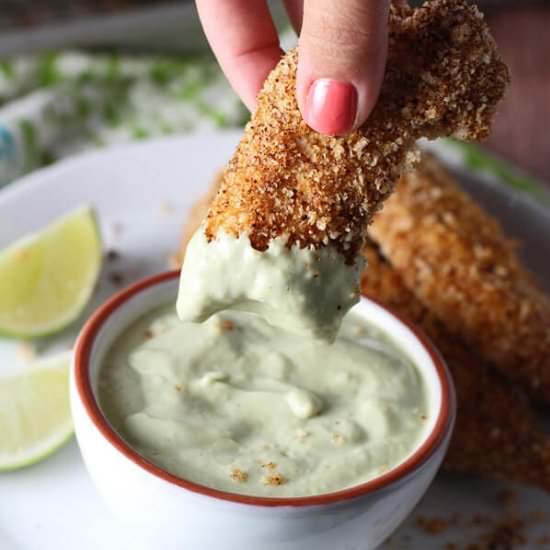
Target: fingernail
(331, 106)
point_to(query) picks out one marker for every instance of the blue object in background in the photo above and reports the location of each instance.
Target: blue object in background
(8, 156)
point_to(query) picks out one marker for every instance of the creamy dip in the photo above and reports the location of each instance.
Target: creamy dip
(302, 289)
(239, 405)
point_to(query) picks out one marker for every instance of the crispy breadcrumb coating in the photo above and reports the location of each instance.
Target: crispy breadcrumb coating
(457, 260)
(443, 77)
(496, 432)
(196, 216)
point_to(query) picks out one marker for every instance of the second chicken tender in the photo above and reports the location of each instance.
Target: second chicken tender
(456, 259)
(496, 432)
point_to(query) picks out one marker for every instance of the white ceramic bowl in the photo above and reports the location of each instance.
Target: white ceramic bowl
(171, 513)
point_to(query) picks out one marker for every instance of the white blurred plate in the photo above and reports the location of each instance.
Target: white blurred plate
(142, 194)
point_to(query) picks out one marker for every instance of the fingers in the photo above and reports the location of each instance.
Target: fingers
(244, 40)
(343, 48)
(342, 54)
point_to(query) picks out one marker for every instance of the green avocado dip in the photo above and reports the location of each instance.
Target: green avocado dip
(239, 405)
(302, 289)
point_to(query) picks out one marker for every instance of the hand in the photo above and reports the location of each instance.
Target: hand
(343, 46)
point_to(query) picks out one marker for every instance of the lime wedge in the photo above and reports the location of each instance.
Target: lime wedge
(47, 278)
(35, 419)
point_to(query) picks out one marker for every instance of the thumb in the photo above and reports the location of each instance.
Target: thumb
(342, 55)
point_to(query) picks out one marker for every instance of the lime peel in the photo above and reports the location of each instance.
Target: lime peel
(35, 417)
(48, 277)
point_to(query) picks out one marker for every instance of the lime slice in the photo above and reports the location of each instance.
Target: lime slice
(35, 419)
(47, 278)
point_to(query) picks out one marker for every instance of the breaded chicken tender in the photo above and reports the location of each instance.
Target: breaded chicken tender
(456, 259)
(496, 432)
(443, 77)
(196, 216)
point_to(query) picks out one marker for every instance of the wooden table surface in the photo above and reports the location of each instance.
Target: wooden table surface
(521, 131)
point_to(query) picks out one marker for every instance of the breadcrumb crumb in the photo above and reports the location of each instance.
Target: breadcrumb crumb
(227, 325)
(238, 475)
(432, 525)
(275, 479)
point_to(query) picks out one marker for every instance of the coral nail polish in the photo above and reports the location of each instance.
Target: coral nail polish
(331, 106)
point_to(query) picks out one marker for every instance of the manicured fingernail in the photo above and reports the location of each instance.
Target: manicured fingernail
(331, 106)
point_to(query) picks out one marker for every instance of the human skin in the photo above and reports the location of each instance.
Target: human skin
(343, 47)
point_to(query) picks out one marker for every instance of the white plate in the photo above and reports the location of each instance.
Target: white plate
(142, 193)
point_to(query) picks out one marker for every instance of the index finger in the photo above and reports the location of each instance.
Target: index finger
(244, 40)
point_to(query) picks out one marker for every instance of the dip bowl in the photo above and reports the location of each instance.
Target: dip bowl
(166, 512)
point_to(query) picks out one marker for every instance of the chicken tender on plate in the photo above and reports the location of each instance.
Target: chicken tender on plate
(496, 433)
(459, 263)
